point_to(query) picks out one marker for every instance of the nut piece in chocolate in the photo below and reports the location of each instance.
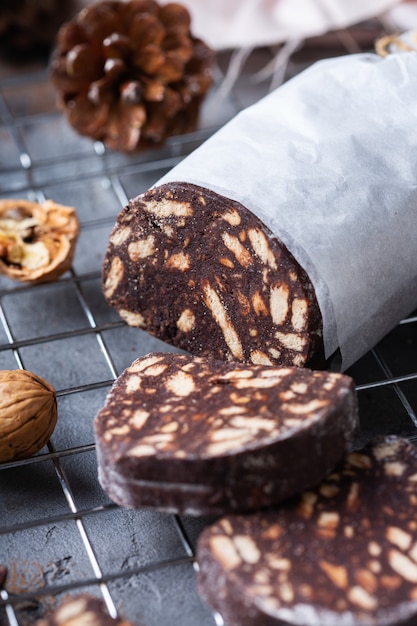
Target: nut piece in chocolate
(28, 414)
(202, 272)
(82, 610)
(131, 74)
(37, 240)
(190, 435)
(344, 552)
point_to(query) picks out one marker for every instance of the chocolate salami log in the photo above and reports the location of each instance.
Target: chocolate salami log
(189, 435)
(342, 553)
(201, 272)
(331, 174)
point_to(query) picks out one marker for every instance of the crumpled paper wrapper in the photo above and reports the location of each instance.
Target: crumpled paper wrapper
(226, 24)
(328, 161)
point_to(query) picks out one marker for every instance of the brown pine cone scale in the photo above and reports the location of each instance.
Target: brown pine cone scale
(131, 74)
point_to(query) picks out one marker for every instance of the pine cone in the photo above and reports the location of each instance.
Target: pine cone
(28, 26)
(131, 73)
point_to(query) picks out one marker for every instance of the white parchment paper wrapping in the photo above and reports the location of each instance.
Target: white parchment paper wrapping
(328, 162)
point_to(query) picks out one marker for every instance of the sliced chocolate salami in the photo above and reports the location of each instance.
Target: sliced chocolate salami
(342, 553)
(203, 273)
(190, 435)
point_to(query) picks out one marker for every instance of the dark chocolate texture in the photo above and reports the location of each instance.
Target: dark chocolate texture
(202, 272)
(190, 435)
(343, 553)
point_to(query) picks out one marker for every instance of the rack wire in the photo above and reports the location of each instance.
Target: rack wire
(59, 533)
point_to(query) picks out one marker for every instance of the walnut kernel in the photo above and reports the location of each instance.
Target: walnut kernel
(37, 241)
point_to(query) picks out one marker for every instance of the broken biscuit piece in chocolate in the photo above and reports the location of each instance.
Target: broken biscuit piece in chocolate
(342, 553)
(82, 610)
(190, 435)
(203, 273)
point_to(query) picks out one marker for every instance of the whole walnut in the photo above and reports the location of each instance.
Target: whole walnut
(131, 74)
(28, 414)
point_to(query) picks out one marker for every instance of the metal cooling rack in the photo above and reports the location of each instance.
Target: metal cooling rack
(59, 533)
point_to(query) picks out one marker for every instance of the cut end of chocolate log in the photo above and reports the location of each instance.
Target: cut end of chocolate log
(203, 273)
(190, 435)
(342, 553)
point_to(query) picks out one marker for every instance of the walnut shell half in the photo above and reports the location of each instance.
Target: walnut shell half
(28, 414)
(37, 241)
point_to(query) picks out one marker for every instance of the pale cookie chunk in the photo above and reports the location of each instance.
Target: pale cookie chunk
(343, 553)
(203, 273)
(190, 435)
(82, 610)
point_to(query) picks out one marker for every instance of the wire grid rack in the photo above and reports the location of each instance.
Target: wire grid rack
(59, 533)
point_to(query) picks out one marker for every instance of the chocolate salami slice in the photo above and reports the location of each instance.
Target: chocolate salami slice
(190, 435)
(342, 553)
(202, 272)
